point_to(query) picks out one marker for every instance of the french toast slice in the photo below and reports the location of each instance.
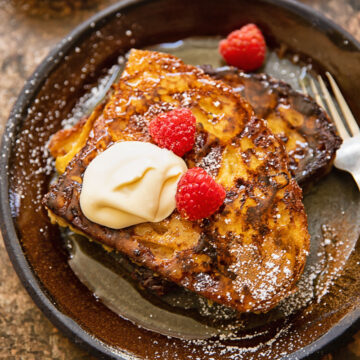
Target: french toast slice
(309, 137)
(250, 254)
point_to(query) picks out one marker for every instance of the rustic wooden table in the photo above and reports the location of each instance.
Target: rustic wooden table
(28, 30)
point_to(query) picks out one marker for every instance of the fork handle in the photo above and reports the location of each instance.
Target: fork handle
(348, 157)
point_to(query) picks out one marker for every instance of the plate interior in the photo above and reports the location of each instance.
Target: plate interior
(328, 290)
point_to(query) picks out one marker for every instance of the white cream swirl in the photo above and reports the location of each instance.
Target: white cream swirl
(129, 183)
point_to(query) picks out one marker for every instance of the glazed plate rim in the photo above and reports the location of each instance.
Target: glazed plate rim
(12, 243)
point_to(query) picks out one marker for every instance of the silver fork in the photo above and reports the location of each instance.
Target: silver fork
(348, 156)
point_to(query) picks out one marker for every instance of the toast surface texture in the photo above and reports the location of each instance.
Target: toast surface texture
(309, 137)
(248, 255)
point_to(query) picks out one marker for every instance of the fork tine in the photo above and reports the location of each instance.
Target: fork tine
(334, 113)
(303, 87)
(316, 93)
(349, 117)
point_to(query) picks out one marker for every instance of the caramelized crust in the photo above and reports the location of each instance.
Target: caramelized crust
(250, 254)
(309, 137)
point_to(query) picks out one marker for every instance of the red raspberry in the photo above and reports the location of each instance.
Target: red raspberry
(198, 195)
(174, 130)
(244, 48)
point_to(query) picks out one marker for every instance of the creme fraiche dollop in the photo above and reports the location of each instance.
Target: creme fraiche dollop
(129, 183)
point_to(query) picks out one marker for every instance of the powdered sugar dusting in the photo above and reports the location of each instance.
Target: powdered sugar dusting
(93, 97)
(30, 154)
(211, 162)
(244, 336)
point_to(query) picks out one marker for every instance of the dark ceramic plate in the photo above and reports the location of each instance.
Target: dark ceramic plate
(327, 303)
